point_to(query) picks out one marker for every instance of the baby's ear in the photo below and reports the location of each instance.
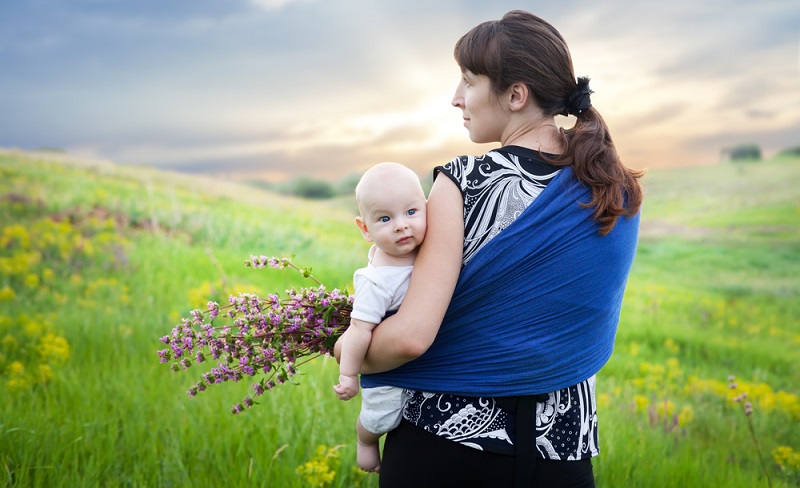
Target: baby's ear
(362, 226)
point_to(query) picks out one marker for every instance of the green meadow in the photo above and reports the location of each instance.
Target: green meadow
(97, 261)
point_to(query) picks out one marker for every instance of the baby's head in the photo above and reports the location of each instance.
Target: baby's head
(391, 204)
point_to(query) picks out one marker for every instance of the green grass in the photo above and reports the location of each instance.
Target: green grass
(713, 292)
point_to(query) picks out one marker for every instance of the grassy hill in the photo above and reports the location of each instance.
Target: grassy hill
(98, 260)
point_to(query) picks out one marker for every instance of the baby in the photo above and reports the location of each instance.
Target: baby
(391, 205)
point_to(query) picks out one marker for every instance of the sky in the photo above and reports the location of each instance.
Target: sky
(273, 89)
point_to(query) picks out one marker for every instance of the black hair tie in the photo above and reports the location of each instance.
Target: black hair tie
(579, 101)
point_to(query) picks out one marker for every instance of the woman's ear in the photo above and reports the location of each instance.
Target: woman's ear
(518, 95)
(362, 226)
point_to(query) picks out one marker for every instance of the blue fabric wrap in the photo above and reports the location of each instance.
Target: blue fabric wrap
(536, 309)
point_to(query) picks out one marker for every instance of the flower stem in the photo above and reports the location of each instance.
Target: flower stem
(758, 450)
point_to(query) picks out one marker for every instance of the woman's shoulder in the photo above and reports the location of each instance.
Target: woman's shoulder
(518, 158)
(464, 163)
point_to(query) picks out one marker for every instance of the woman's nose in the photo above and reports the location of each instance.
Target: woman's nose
(458, 99)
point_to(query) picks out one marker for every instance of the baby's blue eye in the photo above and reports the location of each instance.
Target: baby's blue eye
(412, 211)
(383, 219)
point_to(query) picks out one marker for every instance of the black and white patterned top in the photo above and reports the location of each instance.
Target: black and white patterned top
(497, 187)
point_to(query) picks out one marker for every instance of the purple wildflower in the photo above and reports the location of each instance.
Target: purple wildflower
(213, 310)
(259, 336)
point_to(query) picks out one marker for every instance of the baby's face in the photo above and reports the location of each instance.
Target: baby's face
(394, 217)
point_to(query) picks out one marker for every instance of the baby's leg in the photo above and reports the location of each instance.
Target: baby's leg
(368, 453)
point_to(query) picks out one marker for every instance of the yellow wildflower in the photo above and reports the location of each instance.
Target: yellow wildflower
(45, 372)
(7, 294)
(698, 385)
(16, 368)
(47, 275)
(9, 342)
(32, 281)
(199, 296)
(672, 346)
(15, 234)
(789, 403)
(17, 377)
(673, 368)
(787, 458)
(320, 470)
(53, 348)
(665, 408)
(640, 403)
(685, 416)
(31, 328)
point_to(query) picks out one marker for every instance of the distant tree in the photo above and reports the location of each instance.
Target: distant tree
(306, 187)
(741, 153)
(262, 184)
(51, 149)
(347, 185)
(791, 151)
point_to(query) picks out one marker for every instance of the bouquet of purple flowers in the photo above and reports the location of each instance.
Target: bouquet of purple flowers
(267, 337)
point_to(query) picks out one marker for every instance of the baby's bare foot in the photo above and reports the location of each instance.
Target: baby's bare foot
(369, 457)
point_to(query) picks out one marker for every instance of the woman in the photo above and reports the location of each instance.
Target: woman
(499, 355)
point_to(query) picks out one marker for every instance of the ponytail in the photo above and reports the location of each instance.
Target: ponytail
(590, 151)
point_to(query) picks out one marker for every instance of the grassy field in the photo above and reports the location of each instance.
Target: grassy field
(97, 261)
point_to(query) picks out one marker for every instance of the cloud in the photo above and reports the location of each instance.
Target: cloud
(275, 4)
(261, 84)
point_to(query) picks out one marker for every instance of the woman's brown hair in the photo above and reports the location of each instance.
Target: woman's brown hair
(523, 48)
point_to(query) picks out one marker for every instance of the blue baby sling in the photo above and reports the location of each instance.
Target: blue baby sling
(536, 309)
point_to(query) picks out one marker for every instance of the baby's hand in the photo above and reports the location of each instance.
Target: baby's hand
(347, 387)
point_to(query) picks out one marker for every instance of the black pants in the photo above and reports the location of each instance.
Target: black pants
(414, 457)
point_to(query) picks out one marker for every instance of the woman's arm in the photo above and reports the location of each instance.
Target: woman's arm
(410, 332)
